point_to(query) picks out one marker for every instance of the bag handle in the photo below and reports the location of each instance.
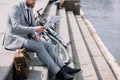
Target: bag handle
(23, 51)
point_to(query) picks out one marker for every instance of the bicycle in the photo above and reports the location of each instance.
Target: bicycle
(51, 35)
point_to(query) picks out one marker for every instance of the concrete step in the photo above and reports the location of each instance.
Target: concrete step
(38, 73)
(63, 26)
(104, 50)
(86, 52)
(37, 70)
(52, 11)
(81, 55)
(102, 68)
(41, 4)
(64, 33)
(6, 62)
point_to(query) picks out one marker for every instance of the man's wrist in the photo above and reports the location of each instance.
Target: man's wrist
(37, 33)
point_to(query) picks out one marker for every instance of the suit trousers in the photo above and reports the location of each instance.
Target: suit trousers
(46, 53)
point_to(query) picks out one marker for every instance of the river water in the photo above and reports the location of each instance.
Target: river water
(105, 17)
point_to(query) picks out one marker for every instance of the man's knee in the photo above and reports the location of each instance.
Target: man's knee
(46, 44)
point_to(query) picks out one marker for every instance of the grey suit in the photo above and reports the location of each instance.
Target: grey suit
(16, 36)
(17, 27)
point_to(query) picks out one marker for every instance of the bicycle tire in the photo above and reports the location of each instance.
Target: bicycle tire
(61, 50)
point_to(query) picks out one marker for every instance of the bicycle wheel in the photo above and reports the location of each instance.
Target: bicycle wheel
(61, 50)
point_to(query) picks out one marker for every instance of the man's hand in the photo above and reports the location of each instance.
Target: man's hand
(37, 37)
(39, 29)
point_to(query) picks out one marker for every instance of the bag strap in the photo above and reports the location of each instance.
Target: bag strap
(27, 56)
(23, 51)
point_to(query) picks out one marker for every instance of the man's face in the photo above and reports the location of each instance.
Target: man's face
(30, 3)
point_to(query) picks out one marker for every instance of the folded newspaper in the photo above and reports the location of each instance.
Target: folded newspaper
(52, 20)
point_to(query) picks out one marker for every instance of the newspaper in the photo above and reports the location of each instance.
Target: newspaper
(52, 20)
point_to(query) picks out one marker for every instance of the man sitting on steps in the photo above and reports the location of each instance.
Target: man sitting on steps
(20, 24)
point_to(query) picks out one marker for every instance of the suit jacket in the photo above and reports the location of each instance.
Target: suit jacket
(18, 27)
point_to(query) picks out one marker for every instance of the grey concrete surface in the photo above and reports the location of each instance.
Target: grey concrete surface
(4, 7)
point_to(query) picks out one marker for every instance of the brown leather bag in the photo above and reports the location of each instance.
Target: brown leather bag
(21, 64)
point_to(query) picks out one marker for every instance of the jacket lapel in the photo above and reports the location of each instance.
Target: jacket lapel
(24, 11)
(25, 14)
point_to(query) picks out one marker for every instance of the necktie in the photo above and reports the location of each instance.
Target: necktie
(29, 16)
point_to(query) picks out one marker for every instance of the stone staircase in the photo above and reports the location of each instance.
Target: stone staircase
(84, 50)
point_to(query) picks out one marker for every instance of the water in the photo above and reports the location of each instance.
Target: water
(105, 17)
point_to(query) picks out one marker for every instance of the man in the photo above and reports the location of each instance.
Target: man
(59, 3)
(20, 24)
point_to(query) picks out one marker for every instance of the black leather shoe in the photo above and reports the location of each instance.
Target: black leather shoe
(63, 76)
(70, 70)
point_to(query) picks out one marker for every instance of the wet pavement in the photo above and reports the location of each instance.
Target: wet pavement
(105, 17)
